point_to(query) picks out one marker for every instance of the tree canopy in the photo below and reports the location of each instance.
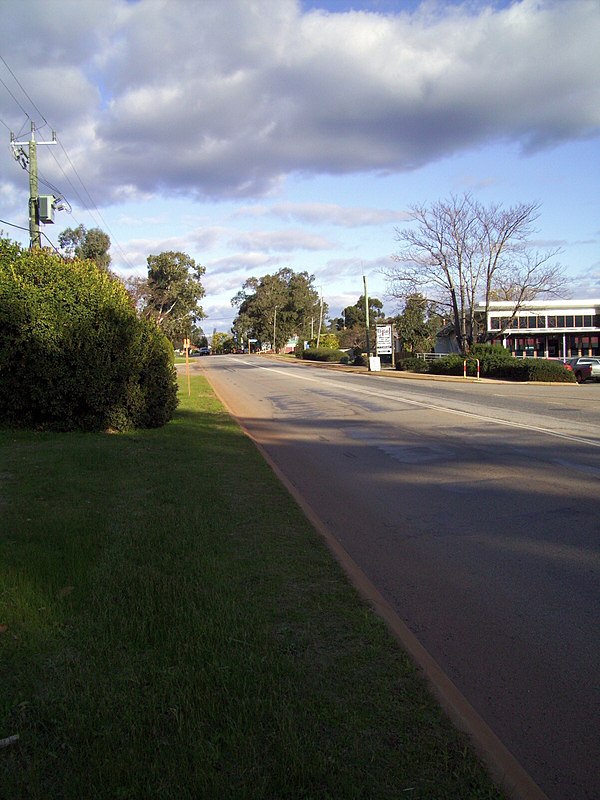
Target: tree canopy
(354, 316)
(172, 292)
(351, 326)
(460, 253)
(417, 325)
(92, 244)
(275, 307)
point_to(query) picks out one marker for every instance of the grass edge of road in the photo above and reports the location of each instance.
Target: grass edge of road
(171, 626)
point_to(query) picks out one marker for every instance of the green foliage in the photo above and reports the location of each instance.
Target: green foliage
(73, 353)
(173, 292)
(329, 341)
(82, 243)
(324, 354)
(222, 343)
(449, 365)
(354, 316)
(412, 365)
(490, 357)
(417, 325)
(282, 304)
(534, 369)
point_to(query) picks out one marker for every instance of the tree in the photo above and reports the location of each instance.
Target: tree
(354, 316)
(222, 343)
(92, 244)
(417, 325)
(275, 307)
(86, 361)
(351, 326)
(173, 292)
(461, 252)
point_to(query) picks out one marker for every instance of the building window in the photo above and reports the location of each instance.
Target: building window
(494, 323)
(560, 322)
(552, 322)
(579, 321)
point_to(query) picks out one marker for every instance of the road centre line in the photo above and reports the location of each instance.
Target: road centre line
(431, 406)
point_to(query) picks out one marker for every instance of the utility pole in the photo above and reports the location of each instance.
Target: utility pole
(274, 329)
(320, 319)
(35, 239)
(367, 319)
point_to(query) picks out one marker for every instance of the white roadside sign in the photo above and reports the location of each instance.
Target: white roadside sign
(384, 340)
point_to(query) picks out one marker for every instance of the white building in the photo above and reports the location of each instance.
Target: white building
(546, 328)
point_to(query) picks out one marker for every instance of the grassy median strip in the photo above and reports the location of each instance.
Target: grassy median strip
(172, 627)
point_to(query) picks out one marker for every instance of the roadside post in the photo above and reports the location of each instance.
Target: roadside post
(186, 347)
(465, 366)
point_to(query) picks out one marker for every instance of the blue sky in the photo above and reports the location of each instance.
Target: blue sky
(300, 135)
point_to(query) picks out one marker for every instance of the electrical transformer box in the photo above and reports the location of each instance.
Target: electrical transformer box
(46, 208)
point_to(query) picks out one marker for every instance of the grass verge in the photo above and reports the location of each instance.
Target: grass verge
(172, 627)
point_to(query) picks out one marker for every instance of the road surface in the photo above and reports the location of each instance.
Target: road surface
(474, 509)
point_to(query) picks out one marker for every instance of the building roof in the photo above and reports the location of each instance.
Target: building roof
(501, 305)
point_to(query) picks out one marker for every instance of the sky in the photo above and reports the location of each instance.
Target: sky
(260, 134)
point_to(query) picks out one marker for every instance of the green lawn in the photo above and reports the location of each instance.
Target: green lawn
(172, 627)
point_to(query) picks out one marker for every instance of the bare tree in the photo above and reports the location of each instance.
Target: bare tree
(461, 252)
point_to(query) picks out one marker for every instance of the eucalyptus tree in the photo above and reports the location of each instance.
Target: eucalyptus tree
(275, 307)
(172, 293)
(92, 244)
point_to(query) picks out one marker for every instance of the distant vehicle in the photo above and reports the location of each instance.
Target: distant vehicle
(204, 351)
(583, 360)
(583, 371)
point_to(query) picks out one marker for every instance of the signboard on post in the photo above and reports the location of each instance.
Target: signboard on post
(384, 340)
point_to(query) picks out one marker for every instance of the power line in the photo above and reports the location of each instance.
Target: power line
(21, 228)
(20, 85)
(83, 203)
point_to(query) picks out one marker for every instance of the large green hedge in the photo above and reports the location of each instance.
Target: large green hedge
(73, 353)
(494, 362)
(324, 354)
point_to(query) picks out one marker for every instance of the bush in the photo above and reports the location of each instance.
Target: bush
(73, 353)
(324, 354)
(412, 364)
(534, 369)
(329, 341)
(452, 364)
(490, 357)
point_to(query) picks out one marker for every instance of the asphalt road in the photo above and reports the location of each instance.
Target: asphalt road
(474, 509)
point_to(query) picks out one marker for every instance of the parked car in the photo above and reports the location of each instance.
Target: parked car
(592, 361)
(581, 367)
(204, 351)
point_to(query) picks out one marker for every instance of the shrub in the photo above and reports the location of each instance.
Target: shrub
(490, 357)
(329, 341)
(448, 365)
(323, 354)
(534, 369)
(412, 364)
(73, 353)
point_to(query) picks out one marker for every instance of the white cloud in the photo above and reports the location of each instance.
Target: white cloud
(224, 98)
(283, 241)
(325, 214)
